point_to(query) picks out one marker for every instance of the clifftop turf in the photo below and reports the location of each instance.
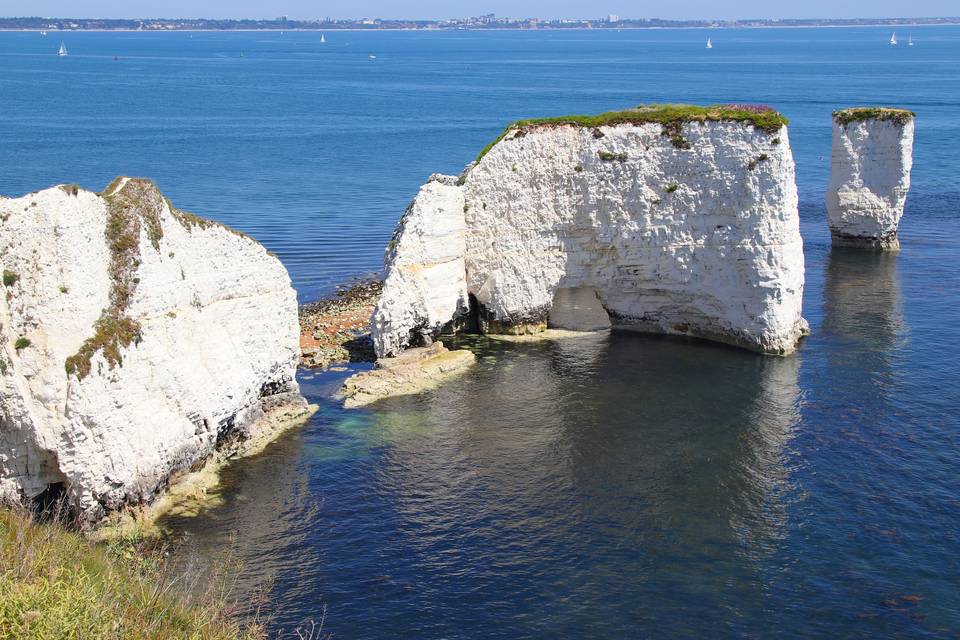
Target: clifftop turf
(856, 114)
(671, 116)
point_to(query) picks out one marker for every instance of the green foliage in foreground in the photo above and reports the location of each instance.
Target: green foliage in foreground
(855, 114)
(55, 583)
(671, 116)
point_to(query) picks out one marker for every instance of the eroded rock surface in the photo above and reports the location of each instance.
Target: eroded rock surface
(414, 371)
(869, 176)
(686, 225)
(136, 341)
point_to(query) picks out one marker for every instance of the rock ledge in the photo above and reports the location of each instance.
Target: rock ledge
(414, 371)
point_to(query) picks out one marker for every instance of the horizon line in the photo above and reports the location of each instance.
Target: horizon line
(598, 19)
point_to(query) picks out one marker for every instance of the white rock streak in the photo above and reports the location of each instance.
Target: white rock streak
(702, 241)
(869, 179)
(214, 363)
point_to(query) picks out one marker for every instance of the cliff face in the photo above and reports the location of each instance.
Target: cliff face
(426, 279)
(869, 176)
(686, 227)
(136, 341)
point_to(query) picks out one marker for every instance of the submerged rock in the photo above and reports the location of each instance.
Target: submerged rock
(675, 219)
(414, 371)
(137, 341)
(869, 176)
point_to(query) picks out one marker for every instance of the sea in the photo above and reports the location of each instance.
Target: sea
(616, 486)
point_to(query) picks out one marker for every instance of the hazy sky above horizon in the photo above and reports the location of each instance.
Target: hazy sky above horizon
(308, 9)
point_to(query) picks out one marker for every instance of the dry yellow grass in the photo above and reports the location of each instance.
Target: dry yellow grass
(56, 584)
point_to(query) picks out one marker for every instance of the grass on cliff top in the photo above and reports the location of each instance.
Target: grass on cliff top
(54, 583)
(856, 114)
(671, 116)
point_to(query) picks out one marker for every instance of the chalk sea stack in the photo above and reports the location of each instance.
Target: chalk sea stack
(869, 176)
(137, 342)
(668, 219)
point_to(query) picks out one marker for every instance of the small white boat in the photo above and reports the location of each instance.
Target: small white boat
(893, 38)
(709, 43)
(323, 39)
(372, 57)
(910, 40)
(63, 50)
(43, 33)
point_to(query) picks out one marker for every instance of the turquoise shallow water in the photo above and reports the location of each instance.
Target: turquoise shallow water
(614, 487)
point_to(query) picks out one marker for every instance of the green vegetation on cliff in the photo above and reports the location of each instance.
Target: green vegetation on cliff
(855, 114)
(54, 583)
(671, 116)
(132, 204)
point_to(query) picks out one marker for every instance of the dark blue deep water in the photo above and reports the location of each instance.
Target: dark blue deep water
(607, 487)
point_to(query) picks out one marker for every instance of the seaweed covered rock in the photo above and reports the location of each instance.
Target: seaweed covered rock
(869, 176)
(677, 219)
(136, 342)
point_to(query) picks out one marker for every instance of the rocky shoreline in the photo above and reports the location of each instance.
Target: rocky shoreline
(336, 329)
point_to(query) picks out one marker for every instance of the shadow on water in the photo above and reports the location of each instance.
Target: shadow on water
(862, 558)
(862, 310)
(613, 467)
(559, 485)
(610, 483)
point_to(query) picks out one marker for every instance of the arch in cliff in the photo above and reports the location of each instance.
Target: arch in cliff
(681, 220)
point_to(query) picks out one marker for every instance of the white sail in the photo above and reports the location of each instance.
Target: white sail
(63, 50)
(709, 44)
(910, 40)
(893, 38)
(323, 38)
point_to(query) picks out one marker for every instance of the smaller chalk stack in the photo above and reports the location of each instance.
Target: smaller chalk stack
(869, 176)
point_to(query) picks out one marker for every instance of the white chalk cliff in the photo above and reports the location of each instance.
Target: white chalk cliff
(136, 340)
(685, 226)
(426, 278)
(869, 176)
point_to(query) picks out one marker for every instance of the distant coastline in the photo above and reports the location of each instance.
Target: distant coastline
(481, 23)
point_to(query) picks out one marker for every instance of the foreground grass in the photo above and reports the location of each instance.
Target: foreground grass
(55, 583)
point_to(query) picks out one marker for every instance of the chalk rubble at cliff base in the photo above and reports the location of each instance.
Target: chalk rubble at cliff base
(681, 225)
(870, 165)
(137, 342)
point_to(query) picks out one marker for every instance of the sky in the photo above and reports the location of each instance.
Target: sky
(309, 9)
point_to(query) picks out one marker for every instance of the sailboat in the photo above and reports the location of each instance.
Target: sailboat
(323, 38)
(709, 44)
(910, 40)
(893, 38)
(63, 50)
(43, 33)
